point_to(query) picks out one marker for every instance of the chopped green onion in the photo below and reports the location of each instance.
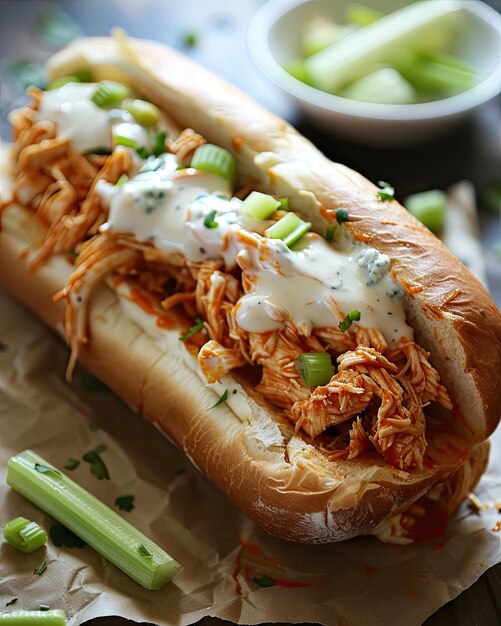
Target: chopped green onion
(360, 15)
(197, 326)
(91, 520)
(109, 93)
(314, 368)
(33, 618)
(429, 207)
(71, 464)
(209, 221)
(386, 192)
(38, 571)
(260, 206)
(342, 216)
(353, 316)
(289, 229)
(144, 113)
(120, 140)
(264, 581)
(159, 143)
(210, 158)
(222, 399)
(329, 235)
(24, 535)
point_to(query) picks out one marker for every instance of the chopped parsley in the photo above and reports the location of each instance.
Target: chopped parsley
(125, 503)
(342, 216)
(71, 464)
(386, 192)
(222, 399)
(44, 469)
(144, 552)
(329, 235)
(197, 326)
(353, 316)
(209, 221)
(264, 581)
(190, 39)
(97, 465)
(62, 536)
(40, 569)
(11, 602)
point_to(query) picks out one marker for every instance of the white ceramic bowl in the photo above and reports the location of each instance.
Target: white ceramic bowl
(273, 39)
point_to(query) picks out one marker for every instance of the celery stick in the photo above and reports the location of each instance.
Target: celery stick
(385, 86)
(95, 523)
(435, 73)
(431, 25)
(33, 618)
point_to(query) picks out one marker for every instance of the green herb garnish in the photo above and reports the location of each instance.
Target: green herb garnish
(222, 399)
(71, 464)
(209, 221)
(329, 235)
(40, 569)
(197, 326)
(97, 465)
(159, 144)
(125, 503)
(264, 581)
(353, 316)
(62, 536)
(190, 39)
(144, 552)
(342, 216)
(386, 192)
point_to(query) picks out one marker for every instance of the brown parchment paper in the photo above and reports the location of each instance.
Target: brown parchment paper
(222, 551)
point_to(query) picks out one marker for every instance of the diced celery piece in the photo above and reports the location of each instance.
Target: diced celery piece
(260, 205)
(429, 207)
(33, 618)
(385, 86)
(298, 70)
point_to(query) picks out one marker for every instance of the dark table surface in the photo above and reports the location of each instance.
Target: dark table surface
(471, 151)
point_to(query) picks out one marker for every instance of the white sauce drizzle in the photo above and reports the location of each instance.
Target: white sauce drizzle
(85, 124)
(307, 285)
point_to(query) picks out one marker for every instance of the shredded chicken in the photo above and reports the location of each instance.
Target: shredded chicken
(185, 145)
(58, 183)
(216, 361)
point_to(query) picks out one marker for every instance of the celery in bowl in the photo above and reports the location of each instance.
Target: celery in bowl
(425, 65)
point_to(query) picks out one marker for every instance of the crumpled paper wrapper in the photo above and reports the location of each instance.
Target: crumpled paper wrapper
(221, 550)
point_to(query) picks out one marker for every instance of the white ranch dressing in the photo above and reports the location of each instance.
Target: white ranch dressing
(77, 117)
(85, 124)
(312, 286)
